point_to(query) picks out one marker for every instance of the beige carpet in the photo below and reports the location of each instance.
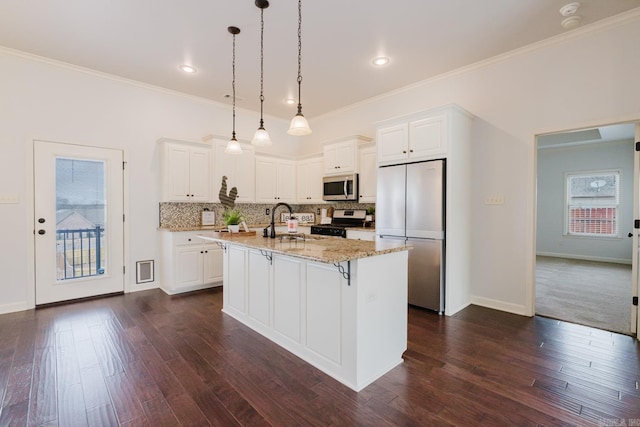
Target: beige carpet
(596, 294)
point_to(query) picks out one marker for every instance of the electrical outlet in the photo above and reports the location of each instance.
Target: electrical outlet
(318, 211)
(267, 211)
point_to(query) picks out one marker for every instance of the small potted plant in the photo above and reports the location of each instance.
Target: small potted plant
(371, 211)
(232, 218)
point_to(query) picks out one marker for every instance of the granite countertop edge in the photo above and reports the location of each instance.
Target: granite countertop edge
(251, 226)
(329, 250)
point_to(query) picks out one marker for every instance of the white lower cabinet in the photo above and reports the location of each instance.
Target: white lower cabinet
(361, 235)
(188, 263)
(353, 329)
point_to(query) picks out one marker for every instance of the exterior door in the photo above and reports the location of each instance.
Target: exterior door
(635, 259)
(78, 228)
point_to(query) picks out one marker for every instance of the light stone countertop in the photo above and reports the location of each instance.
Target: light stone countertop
(324, 249)
(251, 227)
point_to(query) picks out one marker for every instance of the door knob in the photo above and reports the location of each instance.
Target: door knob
(41, 232)
(41, 220)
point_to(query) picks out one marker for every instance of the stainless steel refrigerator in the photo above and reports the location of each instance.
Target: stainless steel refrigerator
(410, 207)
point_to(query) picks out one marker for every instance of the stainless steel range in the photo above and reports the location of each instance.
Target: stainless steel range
(342, 219)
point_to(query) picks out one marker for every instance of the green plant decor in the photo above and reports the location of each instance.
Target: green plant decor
(371, 210)
(232, 217)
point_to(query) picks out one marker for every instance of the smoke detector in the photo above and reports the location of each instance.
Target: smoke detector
(571, 20)
(569, 9)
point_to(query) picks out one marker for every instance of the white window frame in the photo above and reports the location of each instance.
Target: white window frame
(568, 202)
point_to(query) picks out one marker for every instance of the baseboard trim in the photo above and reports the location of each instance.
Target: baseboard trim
(499, 305)
(137, 287)
(451, 312)
(586, 258)
(14, 307)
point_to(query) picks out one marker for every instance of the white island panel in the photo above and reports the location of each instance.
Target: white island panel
(324, 311)
(287, 273)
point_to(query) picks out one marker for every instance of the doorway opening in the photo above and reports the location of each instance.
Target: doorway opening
(584, 234)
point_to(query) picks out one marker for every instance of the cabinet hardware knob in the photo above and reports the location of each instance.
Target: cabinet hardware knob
(404, 151)
(41, 220)
(201, 252)
(411, 151)
(189, 240)
(41, 232)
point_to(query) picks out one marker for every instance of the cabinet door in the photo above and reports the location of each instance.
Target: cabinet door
(199, 174)
(212, 264)
(244, 177)
(330, 160)
(258, 287)
(176, 173)
(286, 181)
(302, 182)
(368, 173)
(266, 180)
(286, 296)
(428, 137)
(340, 157)
(346, 157)
(314, 180)
(323, 311)
(235, 279)
(188, 259)
(393, 143)
(239, 170)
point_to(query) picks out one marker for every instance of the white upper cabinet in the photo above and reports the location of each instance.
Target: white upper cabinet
(420, 136)
(239, 170)
(309, 180)
(341, 156)
(185, 171)
(368, 175)
(275, 180)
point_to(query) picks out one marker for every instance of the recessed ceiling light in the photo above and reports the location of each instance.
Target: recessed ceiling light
(380, 61)
(570, 22)
(290, 101)
(188, 68)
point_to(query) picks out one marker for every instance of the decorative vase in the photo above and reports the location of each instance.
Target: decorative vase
(234, 228)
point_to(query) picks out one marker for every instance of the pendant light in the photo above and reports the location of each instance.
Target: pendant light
(261, 137)
(233, 146)
(299, 125)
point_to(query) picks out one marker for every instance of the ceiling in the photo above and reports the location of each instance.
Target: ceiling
(146, 40)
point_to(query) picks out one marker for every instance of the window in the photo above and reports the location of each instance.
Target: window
(593, 203)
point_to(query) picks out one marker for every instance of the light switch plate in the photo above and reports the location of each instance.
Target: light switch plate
(9, 198)
(494, 200)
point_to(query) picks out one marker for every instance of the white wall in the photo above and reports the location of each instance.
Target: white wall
(553, 163)
(44, 100)
(588, 78)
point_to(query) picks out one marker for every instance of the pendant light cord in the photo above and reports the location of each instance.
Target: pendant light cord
(261, 65)
(299, 56)
(233, 85)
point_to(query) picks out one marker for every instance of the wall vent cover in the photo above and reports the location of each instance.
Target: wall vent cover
(144, 271)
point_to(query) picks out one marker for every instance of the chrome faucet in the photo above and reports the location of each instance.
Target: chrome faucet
(273, 212)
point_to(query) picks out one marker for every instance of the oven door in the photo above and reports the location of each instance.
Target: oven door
(340, 188)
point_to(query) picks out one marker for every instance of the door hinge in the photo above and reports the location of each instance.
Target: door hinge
(123, 164)
(636, 224)
(635, 301)
(638, 146)
(123, 220)
(123, 269)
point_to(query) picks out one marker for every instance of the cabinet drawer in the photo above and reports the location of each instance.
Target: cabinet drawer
(186, 238)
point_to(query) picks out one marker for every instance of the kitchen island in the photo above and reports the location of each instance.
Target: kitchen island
(339, 304)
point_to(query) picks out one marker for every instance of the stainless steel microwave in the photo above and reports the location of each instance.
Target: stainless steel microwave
(340, 187)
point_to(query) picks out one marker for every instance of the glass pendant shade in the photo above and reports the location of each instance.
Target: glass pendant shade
(261, 138)
(233, 146)
(299, 126)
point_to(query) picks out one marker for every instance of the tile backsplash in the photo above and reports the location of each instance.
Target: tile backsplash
(185, 215)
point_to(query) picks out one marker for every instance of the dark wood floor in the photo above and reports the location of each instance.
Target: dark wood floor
(151, 359)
